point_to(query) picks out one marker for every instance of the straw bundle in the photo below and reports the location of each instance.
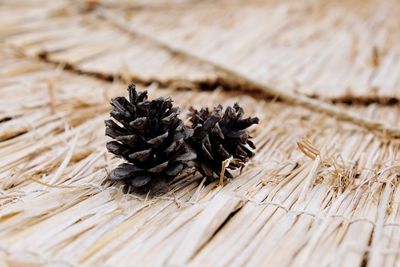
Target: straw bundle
(321, 190)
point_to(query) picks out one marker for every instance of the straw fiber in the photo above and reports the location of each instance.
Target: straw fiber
(322, 190)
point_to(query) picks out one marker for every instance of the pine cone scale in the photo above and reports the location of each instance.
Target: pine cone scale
(158, 168)
(124, 171)
(140, 155)
(138, 124)
(114, 130)
(175, 146)
(186, 157)
(140, 181)
(158, 140)
(175, 170)
(130, 140)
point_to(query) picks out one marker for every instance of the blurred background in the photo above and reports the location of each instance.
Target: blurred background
(333, 50)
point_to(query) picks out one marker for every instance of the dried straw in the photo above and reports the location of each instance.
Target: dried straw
(320, 191)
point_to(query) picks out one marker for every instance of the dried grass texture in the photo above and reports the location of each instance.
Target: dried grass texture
(329, 49)
(66, 34)
(111, 50)
(320, 191)
(340, 51)
(332, 199)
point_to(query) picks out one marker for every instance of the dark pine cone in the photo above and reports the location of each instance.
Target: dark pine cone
(150, 137)
(221, 135)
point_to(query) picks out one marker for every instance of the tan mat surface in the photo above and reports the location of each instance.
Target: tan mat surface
(326, 49)
(322, 190)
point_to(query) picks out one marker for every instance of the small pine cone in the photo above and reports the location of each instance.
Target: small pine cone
(150, 137)
(218, 136)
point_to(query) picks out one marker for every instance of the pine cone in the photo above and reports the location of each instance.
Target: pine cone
(218, 136)
(150, 137)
